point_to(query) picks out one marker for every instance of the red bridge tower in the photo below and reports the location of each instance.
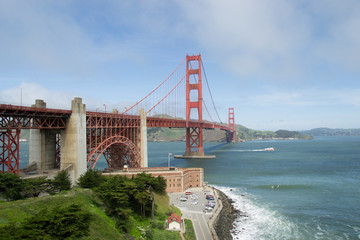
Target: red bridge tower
(232, 123)
(194, 135)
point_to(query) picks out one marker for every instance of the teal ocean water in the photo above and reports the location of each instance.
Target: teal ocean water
(305, 189)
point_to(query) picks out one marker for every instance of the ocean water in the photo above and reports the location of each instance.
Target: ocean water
(305, 189)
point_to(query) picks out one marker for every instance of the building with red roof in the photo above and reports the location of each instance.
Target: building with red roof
(174, 222)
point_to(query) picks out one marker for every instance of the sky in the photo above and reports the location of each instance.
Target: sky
(281, 64)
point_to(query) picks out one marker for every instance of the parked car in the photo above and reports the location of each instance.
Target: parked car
(210, 197)
(183, 199)
(208, 209)
(194, 202)
(194, 196)
(211, 205)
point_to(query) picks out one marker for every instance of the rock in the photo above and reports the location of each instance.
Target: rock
(224, 223)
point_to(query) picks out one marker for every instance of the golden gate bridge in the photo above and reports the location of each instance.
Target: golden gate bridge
(76, 138)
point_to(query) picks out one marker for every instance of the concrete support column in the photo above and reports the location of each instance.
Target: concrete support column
(35, 148)
(73, 141)
(48, 149)
(37, 142)
(143, 140)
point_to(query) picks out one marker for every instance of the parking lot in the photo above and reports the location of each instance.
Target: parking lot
(193, 208)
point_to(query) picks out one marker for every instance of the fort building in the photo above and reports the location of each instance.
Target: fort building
(177, 179)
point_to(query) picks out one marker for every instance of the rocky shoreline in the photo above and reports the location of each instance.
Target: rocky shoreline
(224, 223)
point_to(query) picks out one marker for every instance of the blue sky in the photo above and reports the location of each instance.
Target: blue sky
(281, 64)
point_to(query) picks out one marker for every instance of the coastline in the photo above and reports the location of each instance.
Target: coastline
(224, 222)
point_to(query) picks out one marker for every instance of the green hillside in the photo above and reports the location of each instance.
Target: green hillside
(101, 226)
(244, 133)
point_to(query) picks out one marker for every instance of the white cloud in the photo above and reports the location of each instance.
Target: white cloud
(27, 93)
(276, 39)
(308, 98)
(49, 37)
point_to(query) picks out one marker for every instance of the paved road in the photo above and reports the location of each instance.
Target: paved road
(195, 212)
(200, 226)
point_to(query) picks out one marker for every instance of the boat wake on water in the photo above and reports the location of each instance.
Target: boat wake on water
(270, 149)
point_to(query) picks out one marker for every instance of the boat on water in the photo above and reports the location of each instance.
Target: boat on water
(270, 149)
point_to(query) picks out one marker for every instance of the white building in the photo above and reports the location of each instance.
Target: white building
(174, 222)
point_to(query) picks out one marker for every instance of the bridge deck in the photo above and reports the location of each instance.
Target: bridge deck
(12, 117)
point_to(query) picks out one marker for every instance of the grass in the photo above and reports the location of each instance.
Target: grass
(190, 233)
(157, 227)
(102, 226)
(166, 235)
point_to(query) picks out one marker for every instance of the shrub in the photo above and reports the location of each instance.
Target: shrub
(69, 222)
(149, 234)
(34, 186)
(91, 179)
(61, 181)
(11, 186)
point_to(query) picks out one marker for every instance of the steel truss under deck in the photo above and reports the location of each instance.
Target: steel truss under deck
(116, 136)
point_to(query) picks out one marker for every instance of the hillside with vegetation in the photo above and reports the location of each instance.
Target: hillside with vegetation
(100, 208)
(245, 134)
(333, 132)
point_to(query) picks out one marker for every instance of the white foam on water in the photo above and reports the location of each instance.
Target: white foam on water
(259, 222)
(248, 150)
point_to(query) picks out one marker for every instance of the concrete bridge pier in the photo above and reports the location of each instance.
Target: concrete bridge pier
(42, 146)
(73, 141)
(143, 139)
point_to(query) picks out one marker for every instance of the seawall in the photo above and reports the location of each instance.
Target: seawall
(223, 224)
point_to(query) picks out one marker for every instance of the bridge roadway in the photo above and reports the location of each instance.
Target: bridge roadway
(13, 117)
(83, 136)
(196, 212)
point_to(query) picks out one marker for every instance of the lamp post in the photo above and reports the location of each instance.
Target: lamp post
(105, 107)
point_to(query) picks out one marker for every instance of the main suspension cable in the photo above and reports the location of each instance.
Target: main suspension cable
(155, 88)
(212, 99)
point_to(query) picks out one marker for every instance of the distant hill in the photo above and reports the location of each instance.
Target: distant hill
(245, 134)
(250, 134)
(332, 132)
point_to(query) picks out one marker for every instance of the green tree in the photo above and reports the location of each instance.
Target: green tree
(114, 195)
(61, 182)
(11, 186)
(69, 222)
(91, 179)
(34, 186)
(147, 183)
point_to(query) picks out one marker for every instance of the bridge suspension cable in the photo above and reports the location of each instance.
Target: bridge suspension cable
(212, 99)
(136, 104)
(168, 99)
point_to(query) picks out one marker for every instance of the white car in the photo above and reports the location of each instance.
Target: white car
(208, 209)
(212, 205)
(194, 196)
(194, 202)
(183, 199)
